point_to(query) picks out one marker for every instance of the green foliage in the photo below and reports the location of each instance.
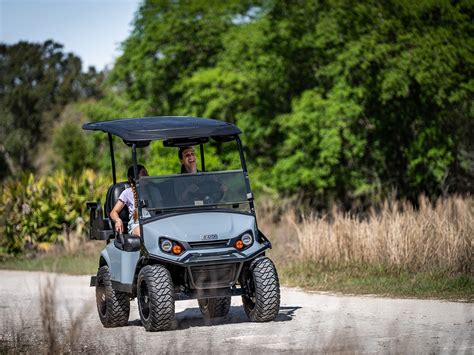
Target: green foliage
(72, 149)
(321, 153)
(170, 41)
(36, 82)
(113, 105)
(338, 101)
(37, 212)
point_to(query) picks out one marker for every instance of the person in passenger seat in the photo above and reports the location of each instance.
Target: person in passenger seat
(129, 197)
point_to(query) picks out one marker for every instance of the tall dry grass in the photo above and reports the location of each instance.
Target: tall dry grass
(56, 335)
(432, 236)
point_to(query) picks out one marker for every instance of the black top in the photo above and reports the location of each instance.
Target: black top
(165, 127)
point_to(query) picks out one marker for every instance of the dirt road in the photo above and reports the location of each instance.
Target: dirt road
(307, 323)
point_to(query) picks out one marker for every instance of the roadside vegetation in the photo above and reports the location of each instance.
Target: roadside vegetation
(395, 250)
(342, 107)
(392, 249)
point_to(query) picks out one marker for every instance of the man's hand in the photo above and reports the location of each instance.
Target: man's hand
(192, 188)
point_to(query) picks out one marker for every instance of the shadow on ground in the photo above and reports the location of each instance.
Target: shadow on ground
(192, 317)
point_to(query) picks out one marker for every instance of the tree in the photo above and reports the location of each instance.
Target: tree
(71, 148)
(170, 41)
(338, 101)
(403, 72)
(36, 82)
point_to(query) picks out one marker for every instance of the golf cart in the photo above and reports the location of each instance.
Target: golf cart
(207, 247)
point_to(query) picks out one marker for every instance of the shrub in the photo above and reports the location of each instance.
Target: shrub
(38, 212)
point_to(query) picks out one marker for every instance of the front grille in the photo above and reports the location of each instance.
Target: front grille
(209, 244)
(213, 276)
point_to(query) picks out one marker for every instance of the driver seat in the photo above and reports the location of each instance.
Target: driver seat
(111, 199)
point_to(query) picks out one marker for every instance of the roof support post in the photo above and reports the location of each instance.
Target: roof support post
(112, 158)
(246, 175)
(201, 149)
(134, 161)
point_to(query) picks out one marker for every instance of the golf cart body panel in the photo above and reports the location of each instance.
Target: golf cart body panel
(202, 234)
(199, 236)
(122, 263)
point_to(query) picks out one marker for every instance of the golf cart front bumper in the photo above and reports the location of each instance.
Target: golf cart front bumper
(211, 270)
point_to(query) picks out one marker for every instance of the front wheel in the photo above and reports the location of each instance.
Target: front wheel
(262, 291)
(113, 306)
(214, 307)
(155, 297)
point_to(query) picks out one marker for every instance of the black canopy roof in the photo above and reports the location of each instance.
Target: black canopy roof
(164, 127)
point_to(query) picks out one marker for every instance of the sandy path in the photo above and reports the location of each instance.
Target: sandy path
(307, 323)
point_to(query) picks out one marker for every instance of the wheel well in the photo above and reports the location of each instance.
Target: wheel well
(144, 262)
(102, 262)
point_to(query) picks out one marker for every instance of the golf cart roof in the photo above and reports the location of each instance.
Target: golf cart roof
(164, 128)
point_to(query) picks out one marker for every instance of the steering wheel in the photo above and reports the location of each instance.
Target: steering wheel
(209, 191)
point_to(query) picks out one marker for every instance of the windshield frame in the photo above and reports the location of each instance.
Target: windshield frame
(186, 208)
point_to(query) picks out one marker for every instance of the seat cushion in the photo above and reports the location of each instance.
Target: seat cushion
(113, 194)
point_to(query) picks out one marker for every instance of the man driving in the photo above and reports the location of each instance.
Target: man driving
(183, 187)
(187, 157)
(187, 190)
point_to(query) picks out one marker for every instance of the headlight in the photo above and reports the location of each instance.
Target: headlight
(171, 246)
(247, 239)
(166, 245)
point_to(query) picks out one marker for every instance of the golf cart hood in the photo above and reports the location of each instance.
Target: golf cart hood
(194, 227)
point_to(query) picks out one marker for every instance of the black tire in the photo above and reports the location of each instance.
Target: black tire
(113, 306)
(155, 298)
(262, 298)
(214, 307)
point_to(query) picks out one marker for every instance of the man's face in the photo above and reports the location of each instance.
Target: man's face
(189, 160)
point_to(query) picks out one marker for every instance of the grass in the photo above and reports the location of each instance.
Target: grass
(56, 335)
(81, 264)
(394, 250)
(71, 258)
(369, 279)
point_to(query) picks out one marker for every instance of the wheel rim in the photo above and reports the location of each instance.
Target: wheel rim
(205, 304)
(144, 300)
(251, 294)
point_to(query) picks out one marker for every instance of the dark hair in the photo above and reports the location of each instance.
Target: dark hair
(180, 155)
(130, 172)
(182, 149)
(131, 180)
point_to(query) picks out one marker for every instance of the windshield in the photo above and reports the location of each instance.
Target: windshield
(225, 188)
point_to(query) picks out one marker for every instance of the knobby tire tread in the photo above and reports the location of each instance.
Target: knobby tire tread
(117, 303)
(214, 307)
(267, 291)
(161, 298)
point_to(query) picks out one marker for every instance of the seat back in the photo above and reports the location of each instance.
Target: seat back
(111, 199)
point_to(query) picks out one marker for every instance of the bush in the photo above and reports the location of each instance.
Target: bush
(35, 213)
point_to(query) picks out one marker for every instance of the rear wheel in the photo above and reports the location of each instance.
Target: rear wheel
(214, 307)
(155, 297)
(262, 291)
(113, 306)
